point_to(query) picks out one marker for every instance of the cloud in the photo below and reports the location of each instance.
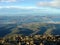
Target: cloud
(53, 3)
(19, 7)
(11, 0)
(8, 0)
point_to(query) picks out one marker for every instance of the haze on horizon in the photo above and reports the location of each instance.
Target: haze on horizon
(30, 7)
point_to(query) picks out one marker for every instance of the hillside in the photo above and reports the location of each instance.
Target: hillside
(36, 28)
(29, 25)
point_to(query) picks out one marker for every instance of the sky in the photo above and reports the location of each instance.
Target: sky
(29, 7)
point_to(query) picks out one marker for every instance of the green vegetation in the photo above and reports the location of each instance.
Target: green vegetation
(33, 26)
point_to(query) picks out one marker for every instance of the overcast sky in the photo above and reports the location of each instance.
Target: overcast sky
(49, 6)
